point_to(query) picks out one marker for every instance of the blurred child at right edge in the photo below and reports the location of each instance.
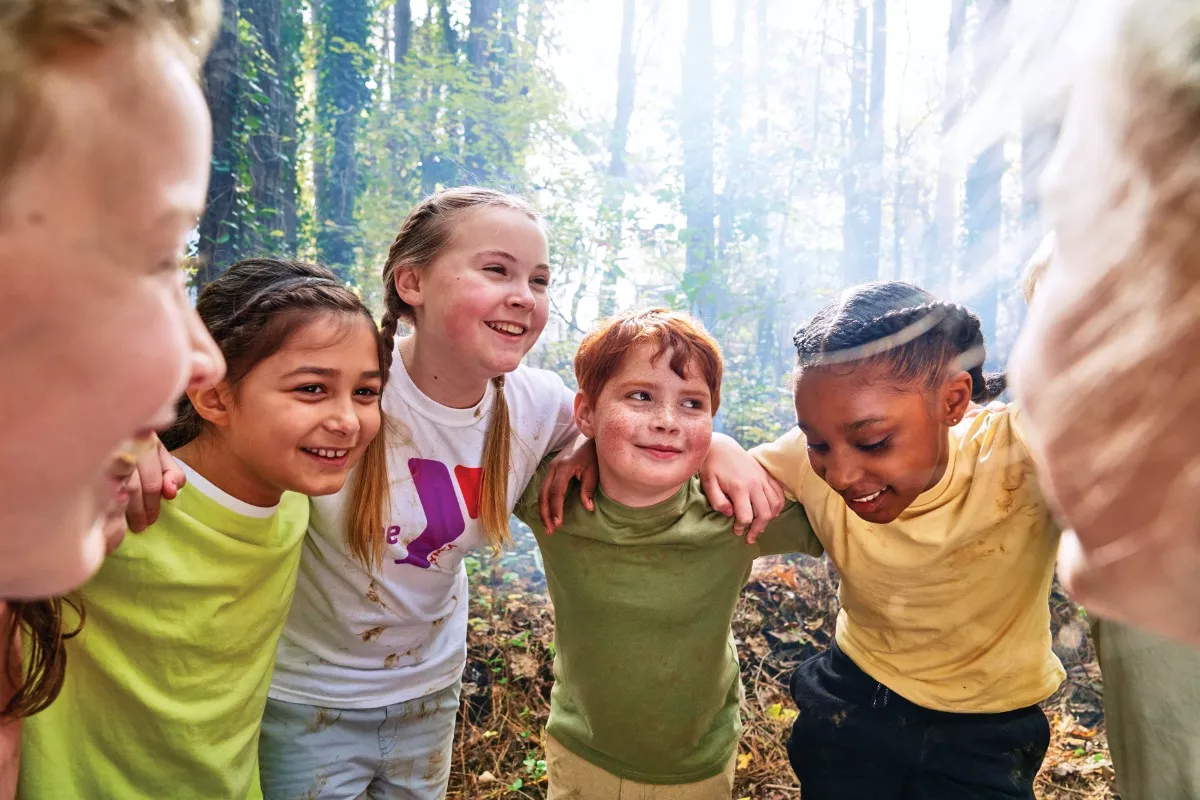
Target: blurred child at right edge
(1151, 685)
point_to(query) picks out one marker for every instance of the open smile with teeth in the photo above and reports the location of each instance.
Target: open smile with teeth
(868, 498)
(507, 328)
(324, 452)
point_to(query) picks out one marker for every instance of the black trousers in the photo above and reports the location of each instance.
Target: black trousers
(855, 739)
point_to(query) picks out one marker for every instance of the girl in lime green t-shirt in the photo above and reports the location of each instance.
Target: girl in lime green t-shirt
(167, 680)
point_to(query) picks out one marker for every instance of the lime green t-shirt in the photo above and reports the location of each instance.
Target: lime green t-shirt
(646, 681)
(166, 683)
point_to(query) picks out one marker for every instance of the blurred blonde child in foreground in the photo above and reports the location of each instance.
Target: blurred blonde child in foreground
(1151, 685)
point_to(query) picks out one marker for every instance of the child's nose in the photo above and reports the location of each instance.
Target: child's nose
(343, 419)
(841, 473)
(521, 296)
(665, 419)
(206, 365)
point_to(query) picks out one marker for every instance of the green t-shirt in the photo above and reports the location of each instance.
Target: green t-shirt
(646, 682)
(166, 683)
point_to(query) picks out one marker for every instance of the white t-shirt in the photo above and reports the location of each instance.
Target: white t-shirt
(354, 640)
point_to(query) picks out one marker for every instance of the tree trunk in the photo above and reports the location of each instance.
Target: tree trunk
(266, 156)
(982, 208)
(699, 204)
(401, 30)
(293, 33)
(220, 226)
(342, 94)
(868, 254)
(449, 35)
(615, 202)
(480, 38)
(735, 160)
(940, 239)
(854, 219)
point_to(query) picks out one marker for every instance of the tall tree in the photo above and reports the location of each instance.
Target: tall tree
(220, 226)
(613, 209)
(735, 157)
(293, 35)
(270, 150)
(401, 30)
(343, 69)
(854, 217)
(872, 190)
(982, 206)
(699, 201)
(940, 238)
(481, 36)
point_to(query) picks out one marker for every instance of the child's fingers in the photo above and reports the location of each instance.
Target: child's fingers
(716, 495)
(776, 499)
(135, 511)
(173, 478)
(552, 494)
(743, 510)
(589, 476)
(763, 512)
(146, 487)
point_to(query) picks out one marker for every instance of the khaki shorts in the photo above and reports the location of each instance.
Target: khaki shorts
(574, 778)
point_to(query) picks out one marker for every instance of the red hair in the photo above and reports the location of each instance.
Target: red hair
(605, 347)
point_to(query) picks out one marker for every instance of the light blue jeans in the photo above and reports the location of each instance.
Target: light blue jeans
(400, 752)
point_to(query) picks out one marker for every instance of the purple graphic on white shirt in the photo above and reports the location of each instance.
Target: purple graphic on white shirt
(443, 516)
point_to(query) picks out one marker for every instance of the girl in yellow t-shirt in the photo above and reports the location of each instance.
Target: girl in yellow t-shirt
(929, 507)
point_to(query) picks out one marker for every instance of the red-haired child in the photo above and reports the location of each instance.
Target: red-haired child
(647, 685)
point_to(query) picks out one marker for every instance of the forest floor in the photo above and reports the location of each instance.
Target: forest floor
(785, 614)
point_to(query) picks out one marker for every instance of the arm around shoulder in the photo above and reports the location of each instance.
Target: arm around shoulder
(790, 532)
(786, 459)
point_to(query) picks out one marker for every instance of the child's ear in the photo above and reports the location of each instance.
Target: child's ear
(583, 415)
(408, 286)
(212, 403)
(956, 398)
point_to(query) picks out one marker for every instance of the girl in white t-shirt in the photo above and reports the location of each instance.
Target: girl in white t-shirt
(367, 680)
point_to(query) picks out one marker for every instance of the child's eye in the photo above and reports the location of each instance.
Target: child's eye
(817, 447)
(639, 396)
(310, 388)
(496, 268)
(871, 447)
(696, 404)
(366, 391)
(542, 282)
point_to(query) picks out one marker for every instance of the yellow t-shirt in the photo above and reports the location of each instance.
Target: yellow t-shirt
(948, 605)
(166, 683)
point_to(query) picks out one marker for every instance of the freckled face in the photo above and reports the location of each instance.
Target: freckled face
(876, 443)
(652, 428)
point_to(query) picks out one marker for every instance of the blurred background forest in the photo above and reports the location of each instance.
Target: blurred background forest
(744, 159)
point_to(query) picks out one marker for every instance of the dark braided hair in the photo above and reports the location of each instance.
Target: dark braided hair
(251, 310)
(904, 326)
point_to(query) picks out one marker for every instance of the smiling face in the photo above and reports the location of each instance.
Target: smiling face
(483, 302)
(877, 443)
(302, 417)
(652, 428)
(97, 337)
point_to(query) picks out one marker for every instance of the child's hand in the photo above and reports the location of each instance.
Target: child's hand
(156, 476)
(577, 461)
(737, 486)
